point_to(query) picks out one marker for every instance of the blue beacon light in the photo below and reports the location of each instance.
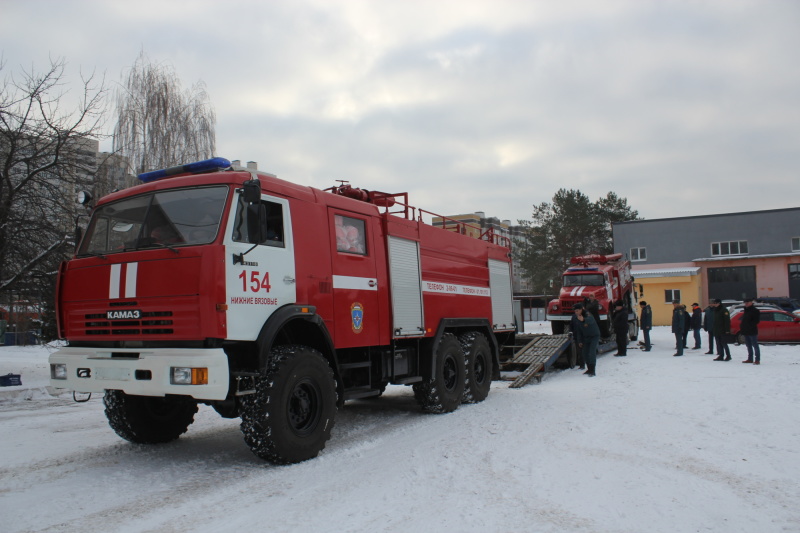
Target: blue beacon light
(215, 163)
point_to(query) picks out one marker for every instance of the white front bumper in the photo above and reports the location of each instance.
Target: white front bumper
(95, 370)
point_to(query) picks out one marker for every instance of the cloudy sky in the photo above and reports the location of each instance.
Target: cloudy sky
(684, 108)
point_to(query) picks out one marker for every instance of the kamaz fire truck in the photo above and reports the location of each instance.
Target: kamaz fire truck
(275, 303)
(608, 279)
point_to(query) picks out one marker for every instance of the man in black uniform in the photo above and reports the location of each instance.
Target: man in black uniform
(722, 328)
(620, 321)
(678, 324)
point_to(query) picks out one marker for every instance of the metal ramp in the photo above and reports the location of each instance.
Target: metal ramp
(535, 357)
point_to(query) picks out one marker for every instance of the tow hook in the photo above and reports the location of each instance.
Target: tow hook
(81, 400)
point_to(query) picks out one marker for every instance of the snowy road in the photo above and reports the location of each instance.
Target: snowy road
(654, 443)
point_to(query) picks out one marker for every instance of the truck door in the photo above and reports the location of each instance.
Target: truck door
(259, 278)
(355, 280)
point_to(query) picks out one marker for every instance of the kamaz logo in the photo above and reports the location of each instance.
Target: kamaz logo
(127, 314)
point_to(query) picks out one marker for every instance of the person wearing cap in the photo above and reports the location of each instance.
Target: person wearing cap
(646, 321)
(751, 316)
(708, 325)
(722, 328)
(575, 328)
(687, 326)
(697, 324)
(589, 337)
(678, 325)
(620, 322)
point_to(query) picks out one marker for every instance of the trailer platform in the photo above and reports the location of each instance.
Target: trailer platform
(536, 356)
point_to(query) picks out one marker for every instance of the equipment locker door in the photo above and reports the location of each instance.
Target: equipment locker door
(500, 285)
(355, 280)
(406, 279)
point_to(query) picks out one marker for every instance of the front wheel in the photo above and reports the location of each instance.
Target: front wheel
(290, 416)
(557, 326)
(740, 339)
(148, 419)
(443, 393)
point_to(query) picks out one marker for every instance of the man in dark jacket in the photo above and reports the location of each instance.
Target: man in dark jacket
(589, 337)
(687, 326)
(591, 305)
(697, 323)
(722, 328)
(678, 325)
(749, 328)
(575, 328)
(708, 325)
(646, 320)
(620, 321)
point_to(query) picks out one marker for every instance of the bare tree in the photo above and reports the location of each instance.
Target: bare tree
(47, 152)
(160, 125)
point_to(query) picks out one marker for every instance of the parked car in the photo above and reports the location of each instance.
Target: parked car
(736, 309)
(776, 326)
(787, 304)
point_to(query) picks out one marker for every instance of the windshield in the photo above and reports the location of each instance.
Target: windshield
(162, 219)
(576, 280)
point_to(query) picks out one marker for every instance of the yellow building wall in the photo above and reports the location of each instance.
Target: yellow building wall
(653, 289)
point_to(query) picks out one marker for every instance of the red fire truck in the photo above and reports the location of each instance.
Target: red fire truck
(276, 303)
(606, 277)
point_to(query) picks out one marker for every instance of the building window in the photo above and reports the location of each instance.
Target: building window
(729, 248)
(638, 254)
(671, 294)
(796, 244)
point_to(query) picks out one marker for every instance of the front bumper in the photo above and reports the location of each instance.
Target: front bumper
(101, 369)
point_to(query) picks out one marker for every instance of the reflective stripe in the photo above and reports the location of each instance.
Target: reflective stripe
(130, 280)
(113, 287)
(355, 283)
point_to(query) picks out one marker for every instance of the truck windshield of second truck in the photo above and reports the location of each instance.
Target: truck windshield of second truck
(170, 218)
(577, 280)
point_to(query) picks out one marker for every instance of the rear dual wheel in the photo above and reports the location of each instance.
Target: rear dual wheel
(479, 366)
(444, 392)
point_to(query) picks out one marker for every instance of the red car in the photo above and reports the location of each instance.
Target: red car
(775, 326)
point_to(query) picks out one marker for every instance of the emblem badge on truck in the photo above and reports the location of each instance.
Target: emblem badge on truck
(357, 317)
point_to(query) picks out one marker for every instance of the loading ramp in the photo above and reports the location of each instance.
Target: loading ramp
(533, 355)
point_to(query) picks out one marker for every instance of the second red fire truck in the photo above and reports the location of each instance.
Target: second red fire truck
(605, 277)
(276, 303)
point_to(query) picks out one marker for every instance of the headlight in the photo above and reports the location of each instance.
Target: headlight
(182, 375)
(58, 371)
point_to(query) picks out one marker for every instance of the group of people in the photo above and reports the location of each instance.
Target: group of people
(715, 320)
(585, 327)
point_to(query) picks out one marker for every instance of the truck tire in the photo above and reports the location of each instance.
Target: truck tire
(478, 362)
(557, 327)
(633, 330)
(444, 392)
(290, 416)
(148, 419)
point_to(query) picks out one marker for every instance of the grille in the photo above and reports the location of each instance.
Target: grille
(151, 323)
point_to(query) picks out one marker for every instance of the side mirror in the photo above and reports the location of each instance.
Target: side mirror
(256, 223)
(251, 191)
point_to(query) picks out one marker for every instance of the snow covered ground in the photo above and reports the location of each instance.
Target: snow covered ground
(653, 443)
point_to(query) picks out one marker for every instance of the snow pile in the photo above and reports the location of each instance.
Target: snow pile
(653, 443)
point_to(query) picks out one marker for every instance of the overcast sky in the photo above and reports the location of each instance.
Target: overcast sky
(684, 108)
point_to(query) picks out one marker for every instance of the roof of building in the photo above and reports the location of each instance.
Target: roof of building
(744, 256)
(707, 216)
(666, 272)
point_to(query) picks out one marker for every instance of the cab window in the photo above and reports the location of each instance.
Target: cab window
(350, 235)
(274, 234)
